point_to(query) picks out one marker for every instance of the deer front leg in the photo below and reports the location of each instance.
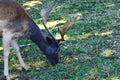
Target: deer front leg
(7, 36)
(16, 48)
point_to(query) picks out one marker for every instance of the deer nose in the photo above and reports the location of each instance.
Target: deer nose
(55, 60)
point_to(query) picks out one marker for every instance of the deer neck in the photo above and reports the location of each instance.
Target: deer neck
(36, 35)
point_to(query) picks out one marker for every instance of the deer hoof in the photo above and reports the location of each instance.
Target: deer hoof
(6, 78)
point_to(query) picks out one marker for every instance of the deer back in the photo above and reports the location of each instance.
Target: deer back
(13, 17)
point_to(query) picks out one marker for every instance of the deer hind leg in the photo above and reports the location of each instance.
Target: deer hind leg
(7, 37)
(16, 48)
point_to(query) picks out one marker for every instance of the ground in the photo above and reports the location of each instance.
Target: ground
(92, 47)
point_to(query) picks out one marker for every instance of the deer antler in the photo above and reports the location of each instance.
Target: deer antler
(45, 14)
(73, 18)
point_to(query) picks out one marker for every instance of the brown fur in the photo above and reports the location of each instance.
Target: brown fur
(14, 15)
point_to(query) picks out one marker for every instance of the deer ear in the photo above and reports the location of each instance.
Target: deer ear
(49, 40)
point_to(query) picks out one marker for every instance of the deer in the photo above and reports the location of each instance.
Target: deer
(14, 23)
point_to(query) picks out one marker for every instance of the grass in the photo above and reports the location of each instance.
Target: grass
(92, 51)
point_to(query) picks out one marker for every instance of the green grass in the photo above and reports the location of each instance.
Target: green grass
(92, 51)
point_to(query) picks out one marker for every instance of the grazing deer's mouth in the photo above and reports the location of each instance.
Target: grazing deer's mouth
(53, 59)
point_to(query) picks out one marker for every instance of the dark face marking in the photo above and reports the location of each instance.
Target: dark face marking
(52, 51)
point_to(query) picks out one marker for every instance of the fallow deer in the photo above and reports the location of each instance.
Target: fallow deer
(14, 22)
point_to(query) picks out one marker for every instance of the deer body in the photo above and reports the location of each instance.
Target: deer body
(13, 17)
(14, 22)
